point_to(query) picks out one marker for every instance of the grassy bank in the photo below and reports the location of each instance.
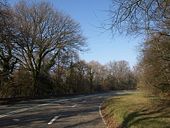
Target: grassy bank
(136, 111)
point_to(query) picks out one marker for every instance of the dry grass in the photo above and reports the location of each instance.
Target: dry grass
(136, 111)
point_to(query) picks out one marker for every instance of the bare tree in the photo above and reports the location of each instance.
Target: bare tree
(120, 75)
(139, 15)
(44, 34)
(151, 17)
(8, 38)
(155, 64)
(97, 74)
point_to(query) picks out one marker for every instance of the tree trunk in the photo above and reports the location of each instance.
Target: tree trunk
(35, 84)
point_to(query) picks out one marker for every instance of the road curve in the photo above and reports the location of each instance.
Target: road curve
(76, 112)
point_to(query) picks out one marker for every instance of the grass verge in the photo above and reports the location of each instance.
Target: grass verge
(136, 111)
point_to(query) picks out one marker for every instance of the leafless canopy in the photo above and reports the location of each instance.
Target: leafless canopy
(139, 15)
(44, 34)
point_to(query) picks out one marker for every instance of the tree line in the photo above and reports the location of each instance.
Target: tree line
(151, 18)
(39, 49)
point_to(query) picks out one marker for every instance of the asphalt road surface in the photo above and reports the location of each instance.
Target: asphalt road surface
(74, 112)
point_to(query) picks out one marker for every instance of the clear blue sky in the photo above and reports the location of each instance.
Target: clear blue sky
(102, 46)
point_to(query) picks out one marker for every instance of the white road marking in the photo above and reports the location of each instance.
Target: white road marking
(1, 116)
(42, 105)
(14, 112)
(16, 120)
(19, 110)
(100, 112)
(51, 121)
(74, 106)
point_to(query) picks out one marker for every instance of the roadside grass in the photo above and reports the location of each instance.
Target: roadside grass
(136, 111)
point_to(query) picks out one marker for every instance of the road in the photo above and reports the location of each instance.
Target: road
(75, 112)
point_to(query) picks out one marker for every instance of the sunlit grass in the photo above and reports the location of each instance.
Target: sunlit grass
(136, 111)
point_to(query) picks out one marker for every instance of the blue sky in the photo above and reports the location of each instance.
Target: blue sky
(102, 46)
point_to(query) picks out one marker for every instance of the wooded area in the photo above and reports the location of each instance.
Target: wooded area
(152, 19)
(39, 49)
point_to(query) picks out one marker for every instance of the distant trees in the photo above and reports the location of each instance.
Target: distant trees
(83, 77)
(120, 76)
(97, 74)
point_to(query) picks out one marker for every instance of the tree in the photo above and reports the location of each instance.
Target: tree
(63, 71)
(97, 74)
(8, 37)
(151, 17)
(139, 15)
(120, 75)
(155, 64)
(80, 72)
(44, 34)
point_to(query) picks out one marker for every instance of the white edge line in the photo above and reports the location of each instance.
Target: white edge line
(73, 106)
(100, 112)
(52, 120)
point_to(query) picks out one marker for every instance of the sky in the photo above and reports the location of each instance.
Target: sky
(103, 46)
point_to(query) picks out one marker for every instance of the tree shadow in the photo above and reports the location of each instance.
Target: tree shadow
(145, 114)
